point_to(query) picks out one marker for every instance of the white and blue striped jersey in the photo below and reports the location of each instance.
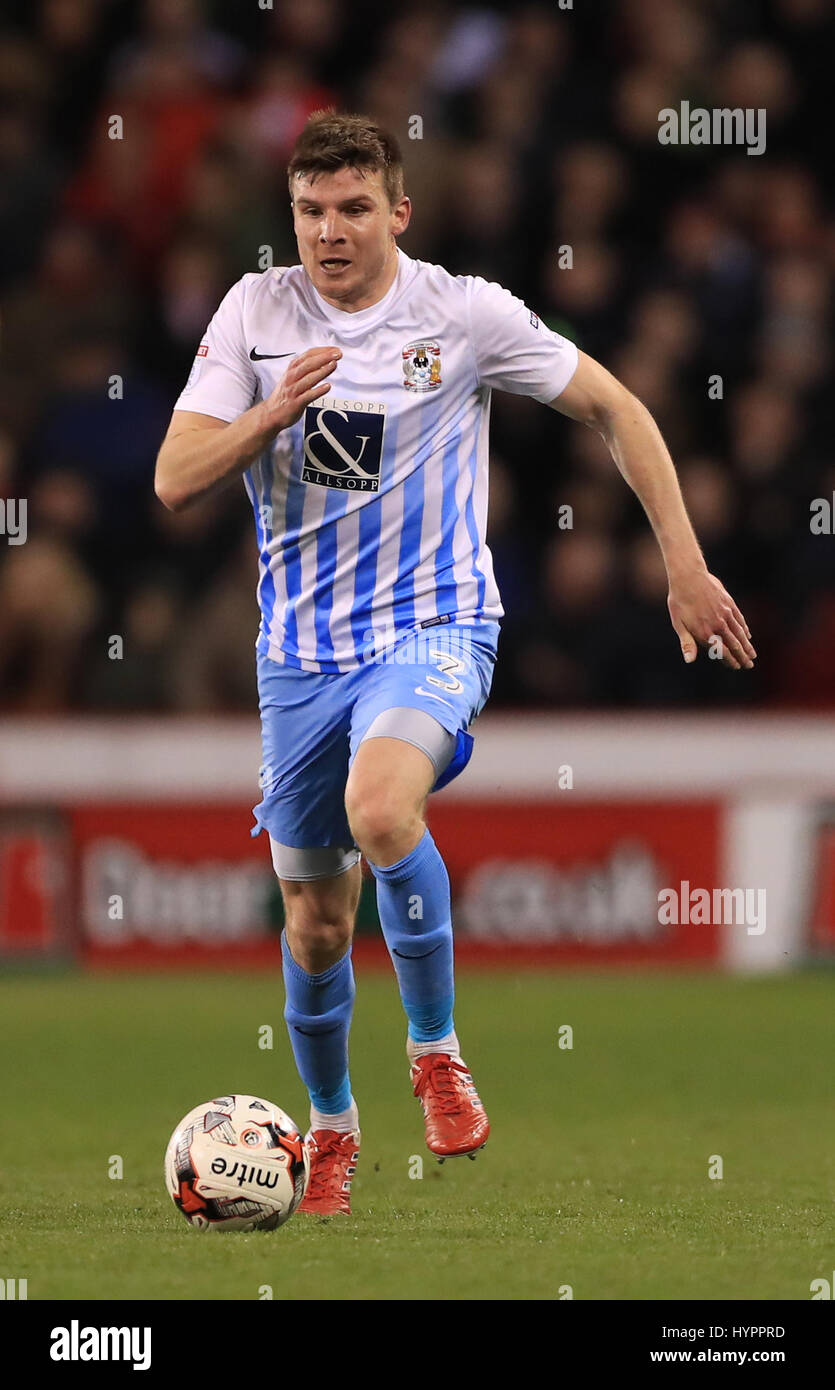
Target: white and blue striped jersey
(371, 511)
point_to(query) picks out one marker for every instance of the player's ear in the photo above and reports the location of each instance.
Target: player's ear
(401, 215)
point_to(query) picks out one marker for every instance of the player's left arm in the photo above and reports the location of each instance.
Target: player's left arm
(700, 607)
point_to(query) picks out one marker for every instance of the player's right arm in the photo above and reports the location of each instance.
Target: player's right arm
(201, 454)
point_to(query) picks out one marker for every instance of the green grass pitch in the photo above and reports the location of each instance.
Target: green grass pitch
(596, 1175)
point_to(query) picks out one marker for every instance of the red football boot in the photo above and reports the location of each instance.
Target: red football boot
(456, 1121)
(333, 1162)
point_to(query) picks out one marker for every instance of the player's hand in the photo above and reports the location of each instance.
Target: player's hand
(303, 382)
(701, 609)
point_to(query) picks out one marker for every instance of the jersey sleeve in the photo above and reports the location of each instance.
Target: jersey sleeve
(514, 350)
(222, 381)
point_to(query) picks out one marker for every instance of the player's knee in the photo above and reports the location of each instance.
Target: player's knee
(319, 921)
(379, 822)
(316, 942)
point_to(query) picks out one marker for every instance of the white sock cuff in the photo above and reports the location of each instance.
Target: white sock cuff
(343, 1122)
(447, 1044)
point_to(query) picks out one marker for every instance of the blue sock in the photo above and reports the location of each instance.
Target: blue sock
(318, 1012)
(416, 917)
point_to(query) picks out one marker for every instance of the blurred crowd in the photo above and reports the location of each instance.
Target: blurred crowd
(701, 276)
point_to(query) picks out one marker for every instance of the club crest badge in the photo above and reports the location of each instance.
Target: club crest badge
(422, 365)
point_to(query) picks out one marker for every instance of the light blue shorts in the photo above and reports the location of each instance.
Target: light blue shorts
(312, 724)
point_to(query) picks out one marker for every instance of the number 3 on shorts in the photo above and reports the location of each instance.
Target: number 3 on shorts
(448, 665)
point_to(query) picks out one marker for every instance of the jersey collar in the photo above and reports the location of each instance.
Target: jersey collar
(364, 318)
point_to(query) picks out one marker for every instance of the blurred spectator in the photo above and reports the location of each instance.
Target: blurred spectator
(29, 168)
(164, 103)
(557, 653)
(133, 669)
(76, 293)
(213, 667)
(282, 98)
(48, 606)
(178, 29)
(105, 421)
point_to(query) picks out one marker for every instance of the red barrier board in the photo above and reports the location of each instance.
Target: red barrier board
(578, 882)
(34, 886)
(176, 883)
(559, 881)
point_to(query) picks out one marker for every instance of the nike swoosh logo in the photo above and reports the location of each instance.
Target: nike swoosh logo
(263, 356)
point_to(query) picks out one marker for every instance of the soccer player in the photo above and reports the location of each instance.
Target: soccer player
(352, 393)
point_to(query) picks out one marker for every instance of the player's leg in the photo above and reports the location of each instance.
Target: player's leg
(319, 997)
(385, 799)
(318, 976)
(401, 751)
(305, 755)
(319, 907)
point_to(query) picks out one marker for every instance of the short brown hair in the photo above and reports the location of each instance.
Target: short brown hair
(335, 140)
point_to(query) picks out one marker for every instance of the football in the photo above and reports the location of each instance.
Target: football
(236, 1164)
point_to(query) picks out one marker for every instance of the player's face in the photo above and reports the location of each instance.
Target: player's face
(345, 229)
